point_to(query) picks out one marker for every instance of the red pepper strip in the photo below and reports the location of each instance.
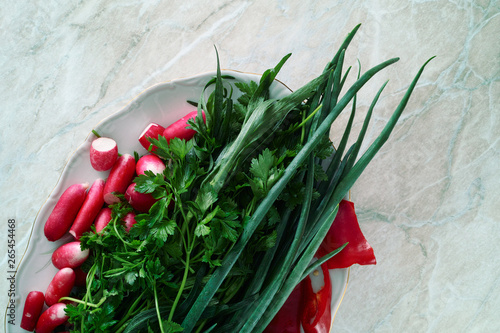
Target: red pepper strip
(317, 312)
(287, 320)
(305, 307)
(309, 305)
(345, 228)
(311, 309)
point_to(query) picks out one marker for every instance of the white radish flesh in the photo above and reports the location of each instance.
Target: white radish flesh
(51, 318)
(69, 255)
(153, 130)
(149, 163)
(103, 153)
(64, 213)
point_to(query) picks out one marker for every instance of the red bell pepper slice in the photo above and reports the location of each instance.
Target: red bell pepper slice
(317, 307)
(305, 308)
(345, 228)
(312, 310)
(287, 320)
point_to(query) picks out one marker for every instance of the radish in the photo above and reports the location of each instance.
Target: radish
(103, 154)
(141, 202)
(65, 211)
(153, 130)
(33, 307)
(60, 286)
(80, 277)
(69, 255)
(51, 318)
(149, 163)
(129, 220)
(119, 179)
(90, 208)
(102, 219)
(179, 128)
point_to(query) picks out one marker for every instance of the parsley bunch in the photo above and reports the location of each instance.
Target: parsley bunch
(241, 211)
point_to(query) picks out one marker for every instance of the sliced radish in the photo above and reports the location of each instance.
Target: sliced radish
(103, 153)
(129, 220)
(141, 202)
(153, 130)
(149, 163)
(180, 129)
(64, 213)
(51, 318)
(90, 208)
(69, 255)
(102, 219)
(33, 307)
(119, 179)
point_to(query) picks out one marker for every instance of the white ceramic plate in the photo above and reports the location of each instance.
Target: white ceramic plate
(163, 103)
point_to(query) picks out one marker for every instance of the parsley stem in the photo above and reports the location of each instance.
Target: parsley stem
(130, 311)
(158, 308)
(190, 268)
(79, 301)
(90, 279)
(183, 283)
(118, 234)
(196, 257)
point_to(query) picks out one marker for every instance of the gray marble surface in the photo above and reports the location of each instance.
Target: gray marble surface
(429, 202)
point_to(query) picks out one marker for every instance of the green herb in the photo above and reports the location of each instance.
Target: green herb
(241, 211)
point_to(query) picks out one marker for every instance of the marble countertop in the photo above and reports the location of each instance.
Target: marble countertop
(429, 204)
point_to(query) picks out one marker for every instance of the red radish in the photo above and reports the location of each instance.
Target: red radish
(65, 211)
(141, 202)
(103, 154)
(60, 286)
(51, 318)
(69, 255)
(179, 128)
(119, 179)
(80, 277)
(153, 130)
(90, 208)
(129, 220)
(149, 163)
(32, 309)
(102, 219)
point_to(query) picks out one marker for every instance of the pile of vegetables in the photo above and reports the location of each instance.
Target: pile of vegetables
(223, 218)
